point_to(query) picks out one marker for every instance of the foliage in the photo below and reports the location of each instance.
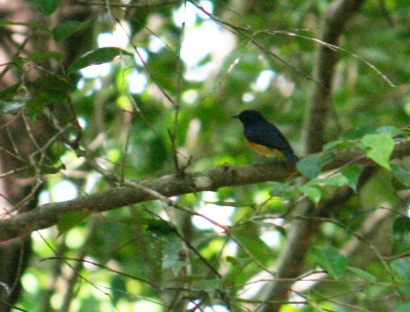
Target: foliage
(155, 95)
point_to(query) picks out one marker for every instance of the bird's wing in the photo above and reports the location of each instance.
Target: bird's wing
(268, 135)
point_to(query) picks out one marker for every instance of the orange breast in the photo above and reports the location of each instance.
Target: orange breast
(263, 150)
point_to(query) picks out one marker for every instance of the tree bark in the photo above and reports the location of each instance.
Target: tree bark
(21, 138)
(291, 260)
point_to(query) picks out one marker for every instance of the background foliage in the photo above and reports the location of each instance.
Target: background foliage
(151, 92)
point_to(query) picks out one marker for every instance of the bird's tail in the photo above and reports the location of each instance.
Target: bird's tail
(291, 157)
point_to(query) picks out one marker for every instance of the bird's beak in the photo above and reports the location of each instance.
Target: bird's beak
(236, 116)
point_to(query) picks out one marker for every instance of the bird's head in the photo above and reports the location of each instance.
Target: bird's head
(250, 116)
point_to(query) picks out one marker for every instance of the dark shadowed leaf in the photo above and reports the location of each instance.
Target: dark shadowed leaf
(311, 165)
(70, 220)
(330, 260)
(65, 30)
(402, 174)
(46, 6)
(352, 173)
(400, 267)
(401, 227)
(363, 274)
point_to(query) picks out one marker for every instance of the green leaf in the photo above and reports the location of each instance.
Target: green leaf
(279, 189)
(65, 30)
(46, 6)
(334, 180)
(171, 247)
(238, 263)
(8, 95)
(313, 192)
(405, 307)
(249, 237)
(45, 90)
(204, 282)
(4, 22)
(379, 147)
(392, 130)
(401, 227)
(98, 56)
(363, 274)
(352, 173)
(330, 260)
(188, 278)
(311, 165)
(70, 220)
(7, 107)
(401, 270)
(401, 174)
(332, 145)
(118, 283)
(210, 285)
(45, 55)
(354, 133)
(156, 226)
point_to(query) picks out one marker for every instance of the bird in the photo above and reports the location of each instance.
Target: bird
(263, 137)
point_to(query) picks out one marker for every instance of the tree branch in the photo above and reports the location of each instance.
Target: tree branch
(291, 260)
(338, 14)
(222, 176)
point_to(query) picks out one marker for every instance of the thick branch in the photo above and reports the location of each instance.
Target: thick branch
(338, 14)
(226, 175)
(291, 260)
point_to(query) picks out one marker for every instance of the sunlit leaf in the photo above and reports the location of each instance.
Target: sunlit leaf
(379, 147)
(330, 260)
(96, 57)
